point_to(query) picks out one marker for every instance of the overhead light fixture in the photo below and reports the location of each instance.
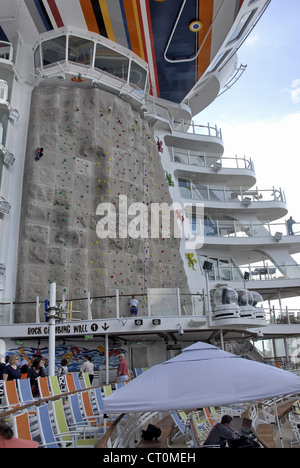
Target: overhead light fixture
(138, 322)
(180, 329)
(156, 321)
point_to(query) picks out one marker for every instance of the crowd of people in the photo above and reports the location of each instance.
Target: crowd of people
(18, 366)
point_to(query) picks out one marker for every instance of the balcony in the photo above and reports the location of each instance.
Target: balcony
(211, 168)
(73, 59)
(193, 137)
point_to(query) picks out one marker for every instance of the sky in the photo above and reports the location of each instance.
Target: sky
(260, 115)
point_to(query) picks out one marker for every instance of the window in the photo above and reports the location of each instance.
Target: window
(138, 75)
(80, 50)
(185, 188)
(111, 62)
(54, 50)
(222, 270)
(245, 20)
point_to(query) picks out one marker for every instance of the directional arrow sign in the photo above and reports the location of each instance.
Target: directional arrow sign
(105, 327)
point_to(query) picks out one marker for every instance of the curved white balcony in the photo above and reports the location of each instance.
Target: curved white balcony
(210, 169)
(193, 137)
(227, 229)
(73, 57)
(267, 204)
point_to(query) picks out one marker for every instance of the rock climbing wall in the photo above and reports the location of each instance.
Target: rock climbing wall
(95, 148)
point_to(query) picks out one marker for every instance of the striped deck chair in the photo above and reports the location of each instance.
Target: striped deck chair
(25, 393)
(139, 370)
(211, 418)
(78, 414)
(44, 387)
(22, 426)
(70, 383)
(68, 434)
(199, 432)
(86, 380)
(107, 389)
(54, 385)
(180, 425)
(11, 394)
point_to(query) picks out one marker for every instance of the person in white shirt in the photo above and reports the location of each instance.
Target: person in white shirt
(134, 303)
(88, 367)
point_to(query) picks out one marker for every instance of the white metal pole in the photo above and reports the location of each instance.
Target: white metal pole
(37, 313)
(52, 313)
(106, 360)
(208, 299)
(89, 307)
(278, 423)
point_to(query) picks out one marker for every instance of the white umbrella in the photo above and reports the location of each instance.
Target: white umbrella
(202, 375)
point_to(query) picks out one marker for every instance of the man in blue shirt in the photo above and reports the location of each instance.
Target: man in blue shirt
(222, 432)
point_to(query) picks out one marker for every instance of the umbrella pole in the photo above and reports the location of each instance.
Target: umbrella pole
(278, 423)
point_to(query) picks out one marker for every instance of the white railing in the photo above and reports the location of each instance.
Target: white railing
(197, 129)
(196, 191)
(227, 229)
(214, 161)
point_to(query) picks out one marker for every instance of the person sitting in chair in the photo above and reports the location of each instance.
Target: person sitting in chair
(222, 432)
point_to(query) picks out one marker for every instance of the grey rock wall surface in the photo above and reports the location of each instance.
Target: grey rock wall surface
(96, 148)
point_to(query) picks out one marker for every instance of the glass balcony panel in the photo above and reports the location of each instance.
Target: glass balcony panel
(111, 62)
(54, 50)
(241, 27)
(80, 50)
(138, 75)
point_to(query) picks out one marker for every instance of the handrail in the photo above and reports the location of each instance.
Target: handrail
(39, 401)
(206, 192)
(108, 434)
(235, 228)
(192, 127)
(209, 160)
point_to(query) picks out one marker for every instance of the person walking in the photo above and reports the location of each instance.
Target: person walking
(122, 371)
